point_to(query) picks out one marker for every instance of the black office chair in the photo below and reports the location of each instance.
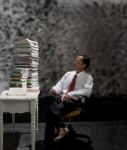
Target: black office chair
(74, 140)
(75, 113)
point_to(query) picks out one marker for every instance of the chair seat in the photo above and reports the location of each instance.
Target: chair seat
(73, 113)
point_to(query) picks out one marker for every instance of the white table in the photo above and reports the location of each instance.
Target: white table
(19, 104)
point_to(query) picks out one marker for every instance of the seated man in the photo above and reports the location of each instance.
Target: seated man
(65, 97)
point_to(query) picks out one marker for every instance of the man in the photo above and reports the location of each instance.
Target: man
(65, 97)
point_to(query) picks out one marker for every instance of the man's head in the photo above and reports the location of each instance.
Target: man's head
(82, 62)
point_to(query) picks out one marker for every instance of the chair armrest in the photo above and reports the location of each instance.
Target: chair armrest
(84, 99)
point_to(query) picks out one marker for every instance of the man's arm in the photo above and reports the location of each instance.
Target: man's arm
(86, 91)
(58, 88)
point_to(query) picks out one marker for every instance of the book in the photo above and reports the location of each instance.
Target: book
(17, 91)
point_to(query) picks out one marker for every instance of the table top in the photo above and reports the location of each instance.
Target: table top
(29, 96)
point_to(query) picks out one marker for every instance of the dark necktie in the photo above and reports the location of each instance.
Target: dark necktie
(72, 84)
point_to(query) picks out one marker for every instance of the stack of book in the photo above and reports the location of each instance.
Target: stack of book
(24, 73)
(15, 78)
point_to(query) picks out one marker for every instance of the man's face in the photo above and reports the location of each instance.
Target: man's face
(79, 65)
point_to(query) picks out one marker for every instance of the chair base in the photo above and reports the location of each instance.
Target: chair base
(74, 135)
(72, 140)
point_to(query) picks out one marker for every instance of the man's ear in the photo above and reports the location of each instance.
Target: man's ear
(84, 66)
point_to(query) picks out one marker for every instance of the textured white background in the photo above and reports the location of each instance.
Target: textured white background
(64, 29)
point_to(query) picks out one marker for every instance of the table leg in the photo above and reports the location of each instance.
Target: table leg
(1, 127)
(13, 122)
(33, 114)
(37, 115)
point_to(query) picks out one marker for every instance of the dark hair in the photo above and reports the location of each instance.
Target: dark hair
(86, 60)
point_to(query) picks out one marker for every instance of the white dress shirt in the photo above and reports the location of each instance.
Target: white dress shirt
(83, 86)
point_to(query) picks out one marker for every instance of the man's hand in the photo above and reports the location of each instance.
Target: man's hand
(53, 92)
(65, 98)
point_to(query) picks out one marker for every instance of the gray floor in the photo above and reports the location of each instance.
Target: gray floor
(106, 135)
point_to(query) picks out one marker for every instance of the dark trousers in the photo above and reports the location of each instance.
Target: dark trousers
(55, 110)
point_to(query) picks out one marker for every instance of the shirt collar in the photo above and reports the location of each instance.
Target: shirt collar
(80, 73)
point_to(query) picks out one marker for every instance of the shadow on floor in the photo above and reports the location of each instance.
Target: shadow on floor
(77, 145)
